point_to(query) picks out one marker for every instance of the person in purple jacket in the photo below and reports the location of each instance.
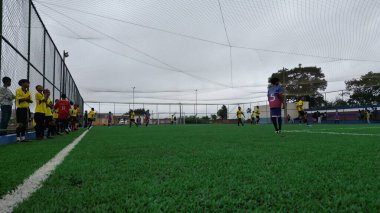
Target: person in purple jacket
(275, 98)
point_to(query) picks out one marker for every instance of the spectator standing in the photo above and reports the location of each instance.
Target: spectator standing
(85, 119)
(6, 102)
(63, 106)
(23, 99)
(49, 124)
(39, 113)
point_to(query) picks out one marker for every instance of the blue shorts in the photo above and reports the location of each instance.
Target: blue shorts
(275, 112)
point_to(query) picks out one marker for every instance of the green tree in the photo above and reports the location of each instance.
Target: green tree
(222, 112)
(213, 117)
(365, 90)
(138, 111)
(307, 82)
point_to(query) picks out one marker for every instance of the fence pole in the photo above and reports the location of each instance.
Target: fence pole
(29, 34)
(1, 33)
(44, 61)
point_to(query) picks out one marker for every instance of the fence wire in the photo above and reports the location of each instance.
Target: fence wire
(28, 51)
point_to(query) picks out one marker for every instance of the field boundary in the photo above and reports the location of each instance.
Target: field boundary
(331, 133)
(31, 184)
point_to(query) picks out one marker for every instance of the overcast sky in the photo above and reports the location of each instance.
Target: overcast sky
(169, 48)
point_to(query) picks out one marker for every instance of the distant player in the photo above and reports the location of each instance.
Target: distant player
(147, 118)
(301, 111)
(63, 106)
(240, 115)
(90, 118)
(132, 120)
(252, 117)
(257, 112)
(275, 98)
(49, 123)
(74, 117)
(109, 119)
(39, 113)
(23, 99)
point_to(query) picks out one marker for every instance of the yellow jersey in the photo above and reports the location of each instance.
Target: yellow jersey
(40, 103)
(300, 106)
(48, 109)
(55, 114)
(74, 112)
(257, 112)
(132, 115)
(252, 114)
(239, 114)
(20, 94)
(91, 114)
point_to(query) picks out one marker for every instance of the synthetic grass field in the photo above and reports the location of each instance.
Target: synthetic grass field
(214, 168)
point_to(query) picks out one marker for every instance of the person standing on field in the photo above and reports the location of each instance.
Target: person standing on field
(39, 113)
(239, 115)
(63, 106)
(6, 102)
(49, 124)
(276, 98)
(23, 99)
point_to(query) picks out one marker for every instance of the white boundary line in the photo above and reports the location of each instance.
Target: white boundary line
(331, 133)
(30, 185)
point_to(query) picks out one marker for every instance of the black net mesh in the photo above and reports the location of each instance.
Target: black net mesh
(45, 62)
(36, 42)
(49, 59)
(15, 24)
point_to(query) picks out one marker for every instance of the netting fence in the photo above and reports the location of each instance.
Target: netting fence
(29, 52)
(190, 113)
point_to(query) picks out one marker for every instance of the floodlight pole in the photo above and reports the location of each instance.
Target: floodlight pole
(65, 55)
(133, 98)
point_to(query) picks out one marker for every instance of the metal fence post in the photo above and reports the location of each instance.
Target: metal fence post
(44, 62)
(1, 34)
(29, 34)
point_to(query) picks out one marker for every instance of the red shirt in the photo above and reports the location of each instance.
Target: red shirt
(63, 107)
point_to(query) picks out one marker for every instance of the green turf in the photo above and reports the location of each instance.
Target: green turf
(216, 169)
(19, 161)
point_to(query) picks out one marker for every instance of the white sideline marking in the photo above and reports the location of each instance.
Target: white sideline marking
(348, 128)
(30, 185)
(332, 133)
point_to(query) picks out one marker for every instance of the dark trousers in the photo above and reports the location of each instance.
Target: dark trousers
(49, 125)
(39, 118)
(63, 124)
(6, 112)
(22, 121)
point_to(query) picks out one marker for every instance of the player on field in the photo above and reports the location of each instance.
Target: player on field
(257, 112)
(147, 118)
(132, 118)
(49, 124)
(63, 106)
(74, 117)
(252, 117)
(275, 98)
(301, 111)
(109, 119)
(91, 117)
(39, 113)
(240, 115)
(23, 99)
(56, 118)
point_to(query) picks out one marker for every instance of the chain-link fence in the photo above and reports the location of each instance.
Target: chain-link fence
(28, 51)
(186, 113)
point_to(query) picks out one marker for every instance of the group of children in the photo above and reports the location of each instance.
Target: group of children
(255, 116)
(56, 118)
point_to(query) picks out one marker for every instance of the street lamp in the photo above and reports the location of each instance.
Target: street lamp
(133, 103)
(65, 55)
(196, 103)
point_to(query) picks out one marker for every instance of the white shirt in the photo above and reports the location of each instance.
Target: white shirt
(6, 96)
